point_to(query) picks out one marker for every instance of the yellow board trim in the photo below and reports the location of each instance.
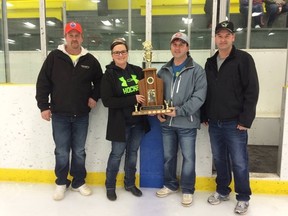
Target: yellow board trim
(48, 176)
(258, 186)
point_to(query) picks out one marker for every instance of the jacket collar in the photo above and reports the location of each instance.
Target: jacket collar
(62, 48)
(232, 54)
(189, 63)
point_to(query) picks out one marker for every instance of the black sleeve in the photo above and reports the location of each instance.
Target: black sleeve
(97, 80)
(44, 84)
(250, 85)
(203, 114)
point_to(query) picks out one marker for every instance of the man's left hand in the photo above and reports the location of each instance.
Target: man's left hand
(91, 103)
(239, 127)
(173, 113)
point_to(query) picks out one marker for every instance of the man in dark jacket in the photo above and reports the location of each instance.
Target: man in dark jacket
(229, 110)
(68, 86)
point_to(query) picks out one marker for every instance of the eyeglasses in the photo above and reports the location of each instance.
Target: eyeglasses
(122, 52)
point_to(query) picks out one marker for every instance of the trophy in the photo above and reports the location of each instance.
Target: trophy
(151, 87)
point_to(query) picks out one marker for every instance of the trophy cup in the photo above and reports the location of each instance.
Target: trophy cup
(151, 87)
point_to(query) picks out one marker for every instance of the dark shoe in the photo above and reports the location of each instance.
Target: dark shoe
(135, 191)
(111, 195)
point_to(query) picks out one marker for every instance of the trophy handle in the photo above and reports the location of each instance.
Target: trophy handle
(136, 107)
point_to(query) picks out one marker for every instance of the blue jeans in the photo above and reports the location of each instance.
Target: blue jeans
(70, 134)
(273, 12)
(255, 8)
(229, 148)
(185, 138)
(133, 135)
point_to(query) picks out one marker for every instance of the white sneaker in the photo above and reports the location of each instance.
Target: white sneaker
(217, 198)
(59, 192)
(163, 192)
(241, 207)
(83, 189)
(187, 200)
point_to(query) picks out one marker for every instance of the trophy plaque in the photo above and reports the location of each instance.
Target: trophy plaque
(151, 87)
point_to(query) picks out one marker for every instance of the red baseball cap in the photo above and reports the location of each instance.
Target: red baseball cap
(73, 26)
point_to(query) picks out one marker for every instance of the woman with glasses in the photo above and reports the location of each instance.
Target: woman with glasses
(119, 92)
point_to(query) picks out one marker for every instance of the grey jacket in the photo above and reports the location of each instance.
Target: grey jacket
(186, 94)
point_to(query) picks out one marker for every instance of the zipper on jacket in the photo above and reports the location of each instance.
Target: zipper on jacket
(178, 85)
(191, 118)
(177, 89)
(171, 97)
(170, 123)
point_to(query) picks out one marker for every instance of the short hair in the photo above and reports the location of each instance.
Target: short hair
(118, 41)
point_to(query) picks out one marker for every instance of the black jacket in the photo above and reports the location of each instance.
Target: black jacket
(68, 86)
(120, 103)
(232, 91)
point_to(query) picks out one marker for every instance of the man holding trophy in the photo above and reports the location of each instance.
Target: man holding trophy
(185, 89)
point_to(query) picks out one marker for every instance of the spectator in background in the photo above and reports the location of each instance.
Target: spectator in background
(257, 12)
(274, 8)
(208, 8)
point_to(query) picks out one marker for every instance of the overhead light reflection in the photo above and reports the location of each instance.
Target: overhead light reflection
(29, 25)
(50, 23)
(10, 41)
(8, 4)
(187, 20)
(106, 22)
(27, 35)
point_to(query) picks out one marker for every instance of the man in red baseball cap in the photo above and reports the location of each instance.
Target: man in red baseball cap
(67, 88)
(74, 39)
(73, 26)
